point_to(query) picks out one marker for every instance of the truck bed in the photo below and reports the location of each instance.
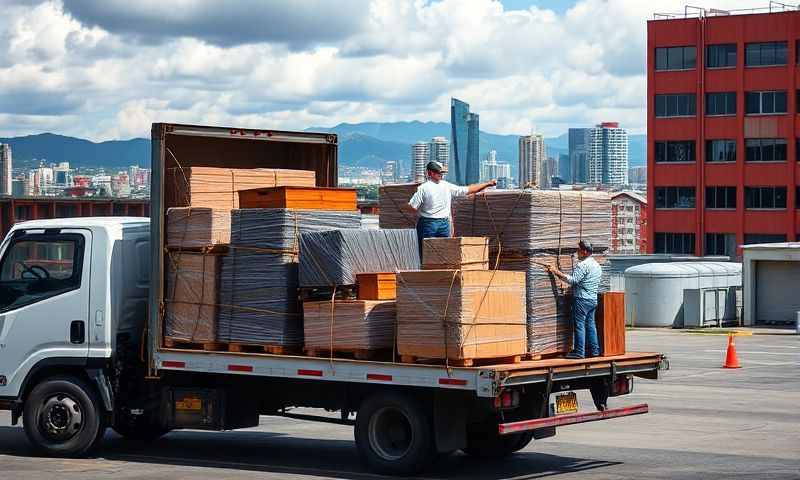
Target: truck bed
(485, 381)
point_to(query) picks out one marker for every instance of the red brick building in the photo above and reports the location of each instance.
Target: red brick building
(722, 131)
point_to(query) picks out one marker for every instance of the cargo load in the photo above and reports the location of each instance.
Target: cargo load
(214, 187)
(191, 297)
(392, 201)
(198, 228)
(455, 253)
(377, 286)
(361, 327)
(280, 228)
(307, 198)
(461, 315)
(334, 258)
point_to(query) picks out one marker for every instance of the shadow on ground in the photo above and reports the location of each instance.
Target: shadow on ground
(279, 454)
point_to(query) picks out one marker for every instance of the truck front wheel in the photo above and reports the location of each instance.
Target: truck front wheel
(394, 434)
(62, 417)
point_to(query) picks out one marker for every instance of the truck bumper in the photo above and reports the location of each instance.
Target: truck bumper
(570, 419)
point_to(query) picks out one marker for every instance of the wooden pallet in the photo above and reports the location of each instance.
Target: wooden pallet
(358, 354)
(171, 342)
(261, 348)
(462, 362)
(324, 293)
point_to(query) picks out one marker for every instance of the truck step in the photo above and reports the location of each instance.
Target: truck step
(357, 354)
(461, 362)
(171, 342)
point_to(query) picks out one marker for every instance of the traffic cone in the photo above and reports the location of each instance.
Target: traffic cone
(730, 357)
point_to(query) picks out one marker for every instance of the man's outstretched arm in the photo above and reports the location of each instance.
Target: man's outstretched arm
(478, 187)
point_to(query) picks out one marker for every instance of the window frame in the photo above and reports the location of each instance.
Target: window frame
(759, 191)
(761, 53)
(670, 238)
(671, 195)
(77, 261)
(717, 237)
(766, 96)
(713, 191)
(668, 51)
(670, 98)
(727, 52)
(726, 96)
(664, 147)
(769, 143)
(710, 150)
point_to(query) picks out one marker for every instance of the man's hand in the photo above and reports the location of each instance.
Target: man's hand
(491, 183)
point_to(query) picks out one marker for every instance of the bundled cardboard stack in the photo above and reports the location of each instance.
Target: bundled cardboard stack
(361, 327)
(214, 187)
(392, 202)
(455, 253)
(529, 229)
(461, 315)
(308, 198)
(192, 288)
(198, 228)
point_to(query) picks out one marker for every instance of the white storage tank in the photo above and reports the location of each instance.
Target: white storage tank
(654, 292)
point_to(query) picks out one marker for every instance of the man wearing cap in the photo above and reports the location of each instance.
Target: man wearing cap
(431, 202)
(585, 281)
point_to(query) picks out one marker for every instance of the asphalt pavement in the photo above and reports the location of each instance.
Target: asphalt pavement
(705, 423)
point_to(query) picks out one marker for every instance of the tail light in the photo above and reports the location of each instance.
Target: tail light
(507, 399)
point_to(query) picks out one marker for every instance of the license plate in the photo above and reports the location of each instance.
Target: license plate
(566, 403)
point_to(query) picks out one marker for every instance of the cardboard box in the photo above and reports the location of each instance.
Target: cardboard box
(461, 314)
(377, 286)
(191, 297)
(189, 227)
(305, 198)
(355, 325)
(457, 253)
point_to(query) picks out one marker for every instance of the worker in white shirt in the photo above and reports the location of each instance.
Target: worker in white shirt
(431, 202)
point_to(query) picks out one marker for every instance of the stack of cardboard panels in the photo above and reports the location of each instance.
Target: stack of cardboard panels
(191, 297)
(361, 327)
(308, 198)
(214, 187)
(392, 202)
(529, 229)
(334, 258)
(455, 253)
(461, 315)
(259, 275)
(198, 228)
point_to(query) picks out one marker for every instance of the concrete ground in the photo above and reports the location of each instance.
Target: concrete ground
(705, 422)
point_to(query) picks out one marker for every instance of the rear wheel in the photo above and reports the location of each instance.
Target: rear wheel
(62, 417)
(394, 434)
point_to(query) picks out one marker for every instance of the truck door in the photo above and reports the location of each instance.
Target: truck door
(44, 301)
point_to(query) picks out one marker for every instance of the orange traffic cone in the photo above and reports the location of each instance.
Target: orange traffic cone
(730, 357)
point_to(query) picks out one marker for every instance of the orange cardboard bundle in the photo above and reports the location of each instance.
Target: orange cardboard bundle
(198, 227)
(461, 314)
(457, 253)
(191, 297)
(349, 325)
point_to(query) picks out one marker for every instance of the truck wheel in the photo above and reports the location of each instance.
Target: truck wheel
(484, 444)
(62, 417)
(394, 434)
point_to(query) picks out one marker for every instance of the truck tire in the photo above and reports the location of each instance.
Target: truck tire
(62, 417)
(394, 434)
(484, 444)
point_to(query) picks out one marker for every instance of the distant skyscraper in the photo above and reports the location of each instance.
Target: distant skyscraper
(578, 169)
(439, 150)
(419, 158)
(391, 172)
(489, 166)
(464, 167)
(5, 169)
(563, 166)
(549, 170)
(531, 156)
(608, 154)
(503, 175)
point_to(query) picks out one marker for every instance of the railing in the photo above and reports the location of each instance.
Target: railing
(690, 11)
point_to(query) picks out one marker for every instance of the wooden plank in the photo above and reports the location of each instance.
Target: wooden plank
(610, 318)
(304, 198)
(377, 286)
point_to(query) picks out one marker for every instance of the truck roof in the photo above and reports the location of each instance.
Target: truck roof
(102, 222)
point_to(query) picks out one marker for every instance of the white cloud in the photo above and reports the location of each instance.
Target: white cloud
(108, 69)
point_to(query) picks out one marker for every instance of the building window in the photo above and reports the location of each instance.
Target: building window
(720, 244)
(765, 149)
(720, 150)
(718, 56)
(667, 242)
(720, 197)
(764, 197)
(765, 102)
(751, 238)
(721, 103)
(765, 54)
(675, 151)
(675, 197)
(676, 105)
(675, 58)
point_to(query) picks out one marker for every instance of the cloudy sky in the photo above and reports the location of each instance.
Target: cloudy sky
(107, 69)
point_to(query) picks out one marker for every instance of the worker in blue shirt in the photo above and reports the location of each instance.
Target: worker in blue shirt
(585, 281)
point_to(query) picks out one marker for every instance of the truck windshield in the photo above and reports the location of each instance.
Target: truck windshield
(39, 266)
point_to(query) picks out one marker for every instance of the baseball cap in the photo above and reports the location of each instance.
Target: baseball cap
(434, 166)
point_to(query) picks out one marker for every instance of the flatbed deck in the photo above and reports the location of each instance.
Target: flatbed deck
(485, 381)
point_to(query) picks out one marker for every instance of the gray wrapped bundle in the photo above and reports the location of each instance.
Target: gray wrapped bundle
(335, 257)
(535, 219)
(258, 299)
(279, 228)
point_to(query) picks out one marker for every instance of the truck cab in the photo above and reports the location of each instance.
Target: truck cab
(70, 289)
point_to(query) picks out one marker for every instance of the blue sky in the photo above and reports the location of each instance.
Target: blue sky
(559, 6)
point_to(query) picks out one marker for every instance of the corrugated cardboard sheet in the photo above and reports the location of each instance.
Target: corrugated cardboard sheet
(349, 325)
(465, 314)
(392, 201)
(456, 253)
(198, 227)
(191, 296)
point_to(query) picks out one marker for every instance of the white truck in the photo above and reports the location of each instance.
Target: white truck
(81, 346)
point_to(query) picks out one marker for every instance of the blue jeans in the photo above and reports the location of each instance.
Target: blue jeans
(431, 227)
(585, 329)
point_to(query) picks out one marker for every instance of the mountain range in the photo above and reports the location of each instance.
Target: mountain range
(366, 144)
